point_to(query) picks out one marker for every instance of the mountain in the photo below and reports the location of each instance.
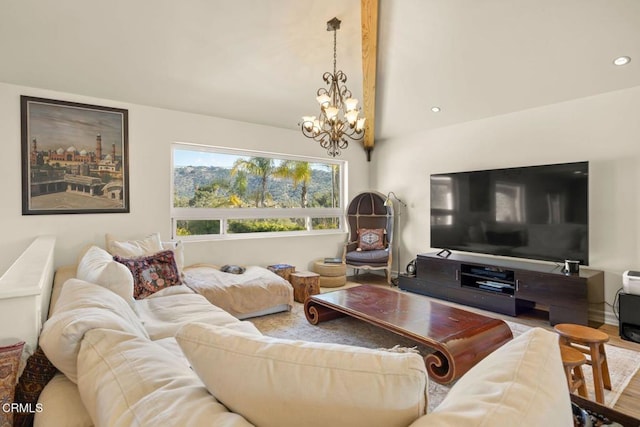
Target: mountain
(280, 192)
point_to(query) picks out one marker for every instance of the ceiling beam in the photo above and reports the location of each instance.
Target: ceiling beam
(369, 18)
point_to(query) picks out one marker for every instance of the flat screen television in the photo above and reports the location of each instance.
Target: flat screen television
(534, 212)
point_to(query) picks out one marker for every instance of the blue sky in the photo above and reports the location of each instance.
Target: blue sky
(202, 158)
(59, 126)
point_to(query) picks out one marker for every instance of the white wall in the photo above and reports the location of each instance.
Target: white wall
(603, 129)
(151, 131)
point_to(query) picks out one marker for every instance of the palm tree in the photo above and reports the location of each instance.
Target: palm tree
(240, 185)
(260, 167)
(335, 185)
(210, 196)
(299, 173)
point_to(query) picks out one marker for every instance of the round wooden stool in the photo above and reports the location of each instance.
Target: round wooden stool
(572, 360)
(590, 342)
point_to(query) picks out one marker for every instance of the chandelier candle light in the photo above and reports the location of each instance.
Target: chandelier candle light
(338, 121)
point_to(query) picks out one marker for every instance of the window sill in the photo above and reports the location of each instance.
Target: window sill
(265, 235)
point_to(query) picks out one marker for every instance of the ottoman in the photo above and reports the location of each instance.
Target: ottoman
(332, 275)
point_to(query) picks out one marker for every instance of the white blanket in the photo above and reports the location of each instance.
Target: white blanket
(254, 292)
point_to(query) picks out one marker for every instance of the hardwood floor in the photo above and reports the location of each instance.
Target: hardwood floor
(629, 401)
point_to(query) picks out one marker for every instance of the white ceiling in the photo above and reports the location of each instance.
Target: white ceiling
(262, 61)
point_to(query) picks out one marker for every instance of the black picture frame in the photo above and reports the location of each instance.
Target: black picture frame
(75, 158)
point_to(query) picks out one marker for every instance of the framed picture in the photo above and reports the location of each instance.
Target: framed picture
(74, 158)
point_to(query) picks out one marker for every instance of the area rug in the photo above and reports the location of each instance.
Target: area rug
(623, 364)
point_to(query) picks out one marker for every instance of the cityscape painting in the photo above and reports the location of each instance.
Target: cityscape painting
(74, 158)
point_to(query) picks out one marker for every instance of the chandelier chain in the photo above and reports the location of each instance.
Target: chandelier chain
(335, 55)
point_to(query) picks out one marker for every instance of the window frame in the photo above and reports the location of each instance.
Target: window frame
(226, 214)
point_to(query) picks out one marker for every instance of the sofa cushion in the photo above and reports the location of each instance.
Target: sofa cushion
(98, 266)
(126, 380)
(521, 383)
(148, 245)
(63, 273)
(278, 383)
(83, 306)
(151, 273)
(367, 257)
(61, 405)
(133, 248)
(178, 249)
(164, 312)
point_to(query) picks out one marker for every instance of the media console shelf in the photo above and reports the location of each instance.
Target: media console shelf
(511, 287)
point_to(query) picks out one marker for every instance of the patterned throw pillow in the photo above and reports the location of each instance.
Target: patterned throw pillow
(152, 273)
(9, 363)
(37, 373)
(370, 239)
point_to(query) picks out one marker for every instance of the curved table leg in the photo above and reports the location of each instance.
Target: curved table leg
(440, 368)
(461, 345)
(316, 313)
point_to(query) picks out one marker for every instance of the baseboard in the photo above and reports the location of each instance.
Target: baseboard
(611, 319)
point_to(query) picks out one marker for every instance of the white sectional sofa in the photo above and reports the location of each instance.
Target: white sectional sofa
(173, 359)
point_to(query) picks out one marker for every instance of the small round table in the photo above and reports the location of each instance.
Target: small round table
(589, 341)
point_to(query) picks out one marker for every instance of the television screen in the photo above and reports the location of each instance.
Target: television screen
(535, 212)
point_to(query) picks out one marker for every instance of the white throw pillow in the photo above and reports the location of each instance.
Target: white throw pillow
(283, 383)
(178, 250)
(81, 307)
(133, 248)
(146, 246)
(125, 380)
(521, 383)
(97, 266)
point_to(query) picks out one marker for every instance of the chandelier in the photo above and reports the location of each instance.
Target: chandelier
(338, 121)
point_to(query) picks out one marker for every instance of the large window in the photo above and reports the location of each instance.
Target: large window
(226, 193)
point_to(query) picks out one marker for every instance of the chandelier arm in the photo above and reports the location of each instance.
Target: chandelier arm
(345, 92)
(328, 78)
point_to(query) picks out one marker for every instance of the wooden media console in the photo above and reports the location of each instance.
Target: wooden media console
(511, 287)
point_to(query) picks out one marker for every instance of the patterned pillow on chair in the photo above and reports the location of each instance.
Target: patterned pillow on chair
(370, 239)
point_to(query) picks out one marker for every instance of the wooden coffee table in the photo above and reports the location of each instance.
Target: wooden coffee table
(460, 338)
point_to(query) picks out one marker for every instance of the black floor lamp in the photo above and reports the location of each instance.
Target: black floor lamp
(389, 202)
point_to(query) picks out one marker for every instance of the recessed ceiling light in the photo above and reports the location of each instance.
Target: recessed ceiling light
(622, 60)
(435, 109)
